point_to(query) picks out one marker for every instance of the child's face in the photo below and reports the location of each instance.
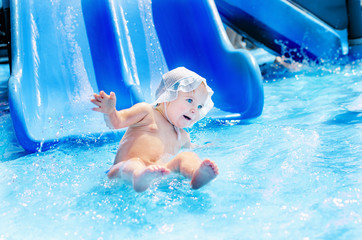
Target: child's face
(185, 110)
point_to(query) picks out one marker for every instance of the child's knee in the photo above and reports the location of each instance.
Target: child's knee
(188, 155)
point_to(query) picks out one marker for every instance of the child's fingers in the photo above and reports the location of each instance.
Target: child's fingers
(112, 95)
(96, 102)
(103, 94)
(97, 109)
(97, 97)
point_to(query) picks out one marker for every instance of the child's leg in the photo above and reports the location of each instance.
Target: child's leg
(191, 166)
(125, 169)
(136, 172)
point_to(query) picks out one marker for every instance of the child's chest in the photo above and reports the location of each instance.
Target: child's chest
(171, 139)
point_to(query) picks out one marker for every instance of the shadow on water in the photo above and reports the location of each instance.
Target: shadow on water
(347, 117)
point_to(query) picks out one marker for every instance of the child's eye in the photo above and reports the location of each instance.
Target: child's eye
(189, 100)
(199, 107)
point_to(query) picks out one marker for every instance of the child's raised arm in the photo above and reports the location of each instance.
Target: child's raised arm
(118, 119)
(106, 103)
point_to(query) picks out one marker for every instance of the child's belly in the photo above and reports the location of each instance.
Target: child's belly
(150, 149)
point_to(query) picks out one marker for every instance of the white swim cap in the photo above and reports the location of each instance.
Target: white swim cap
(182, 79)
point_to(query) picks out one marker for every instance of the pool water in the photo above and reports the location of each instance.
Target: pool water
(292, 173)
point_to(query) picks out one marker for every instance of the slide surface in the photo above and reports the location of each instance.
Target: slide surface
(284, 28)
(64, 50)
(200, 44)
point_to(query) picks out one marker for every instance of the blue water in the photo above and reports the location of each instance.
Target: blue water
(292, 173)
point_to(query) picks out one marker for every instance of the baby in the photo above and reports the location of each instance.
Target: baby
(155, 131)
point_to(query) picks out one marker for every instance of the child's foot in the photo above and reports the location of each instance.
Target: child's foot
(143, 179)
(114, 171)
(206, 172)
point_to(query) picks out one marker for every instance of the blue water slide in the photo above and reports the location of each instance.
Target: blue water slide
(65, 50)
(53, 77)
(124, 45)
(200, 44)
(285, 28)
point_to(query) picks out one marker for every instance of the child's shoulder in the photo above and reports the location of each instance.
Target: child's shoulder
(143, 106)
(144, 113)
(141, 109)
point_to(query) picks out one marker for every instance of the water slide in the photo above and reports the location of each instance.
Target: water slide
(64, 50)
(300, 29)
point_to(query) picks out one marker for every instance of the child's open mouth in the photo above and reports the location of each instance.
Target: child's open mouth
(187, 118)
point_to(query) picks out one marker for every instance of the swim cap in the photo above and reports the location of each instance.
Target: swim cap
(182, 79)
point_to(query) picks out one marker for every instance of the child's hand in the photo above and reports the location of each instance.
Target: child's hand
(106, 103)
